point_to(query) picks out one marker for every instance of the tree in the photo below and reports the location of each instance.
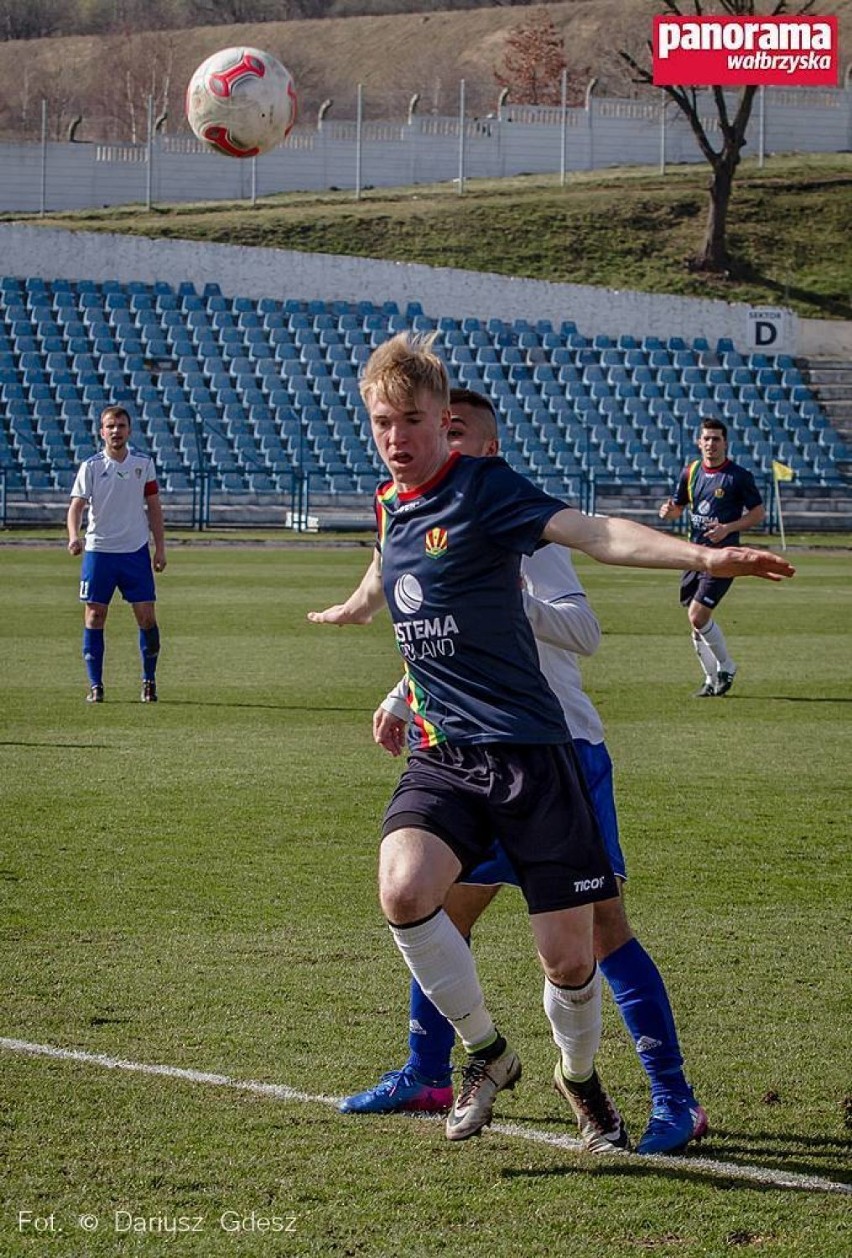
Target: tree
(724, 160)
(230, 11)
(140, 66)
(533, 62)
(27, 19)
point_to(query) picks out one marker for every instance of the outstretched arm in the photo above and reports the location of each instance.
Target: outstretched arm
(625, 543)
(361, 605)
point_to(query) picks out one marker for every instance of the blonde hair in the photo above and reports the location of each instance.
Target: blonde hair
(401, 367)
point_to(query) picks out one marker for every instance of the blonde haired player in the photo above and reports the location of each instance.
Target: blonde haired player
(565, 626)
(490, 753)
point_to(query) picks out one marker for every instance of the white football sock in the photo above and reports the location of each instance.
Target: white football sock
(439, 958)
(714, 640)
(575, 1019)
(706, 658)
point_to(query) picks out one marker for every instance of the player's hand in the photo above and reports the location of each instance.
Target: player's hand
(668, 510)
(743, 561)
(389, 731)
(716, 532)
(159, 560)
(340, 614)
(75, 547)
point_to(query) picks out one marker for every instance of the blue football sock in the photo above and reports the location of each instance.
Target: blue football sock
(643, 1003)
(149, 649)
(93, 654)
(430, 1036)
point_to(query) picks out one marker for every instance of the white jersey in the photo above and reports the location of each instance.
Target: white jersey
(116, 493)
(564, 626)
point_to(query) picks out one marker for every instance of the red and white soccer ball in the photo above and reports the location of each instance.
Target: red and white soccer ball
(241, 102)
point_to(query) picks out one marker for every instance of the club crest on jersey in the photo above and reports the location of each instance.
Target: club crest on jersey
(436, 543)
(719, 492)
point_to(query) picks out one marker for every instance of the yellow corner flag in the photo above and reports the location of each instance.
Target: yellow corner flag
(781, 471)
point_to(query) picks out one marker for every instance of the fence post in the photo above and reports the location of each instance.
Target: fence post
(461, 135)
(201, 500)
(359, 125)
(772, 507)
(563, 150)
(43, 209)
(590, 121)
(149, 153)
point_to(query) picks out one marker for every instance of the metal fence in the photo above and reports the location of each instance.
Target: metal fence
(356, 155)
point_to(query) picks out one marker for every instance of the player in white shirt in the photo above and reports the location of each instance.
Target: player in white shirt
(120, 489)
(564, 626)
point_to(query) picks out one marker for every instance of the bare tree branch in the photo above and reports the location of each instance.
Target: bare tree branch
(725, 159)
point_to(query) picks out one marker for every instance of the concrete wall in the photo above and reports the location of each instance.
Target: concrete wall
(250, 272)
(825, 338)
(523, 140)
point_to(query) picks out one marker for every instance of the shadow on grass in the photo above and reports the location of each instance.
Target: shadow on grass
(756, 1156)
(741, 698)
(700, 1171)
(771, 1153)
(272, 707)
(746, 272)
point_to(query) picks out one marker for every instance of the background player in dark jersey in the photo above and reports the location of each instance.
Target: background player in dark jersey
(120, 489)
(723, 500)
(490, 750)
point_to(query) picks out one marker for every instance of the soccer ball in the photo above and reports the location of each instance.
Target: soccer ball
(241, 102)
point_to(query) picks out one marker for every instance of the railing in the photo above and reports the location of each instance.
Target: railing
(206, 495)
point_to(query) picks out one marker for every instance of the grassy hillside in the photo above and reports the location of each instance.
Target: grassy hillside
(619, 229)
(392, 56)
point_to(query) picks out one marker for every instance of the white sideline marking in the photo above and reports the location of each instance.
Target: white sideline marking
(280, 1092)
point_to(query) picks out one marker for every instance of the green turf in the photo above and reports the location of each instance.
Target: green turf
(192, 884)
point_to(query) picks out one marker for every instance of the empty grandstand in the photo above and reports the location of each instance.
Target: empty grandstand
(252, 404)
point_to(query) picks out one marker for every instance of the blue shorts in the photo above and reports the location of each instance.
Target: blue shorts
(102, 574)
(597, 770)
(534, 799)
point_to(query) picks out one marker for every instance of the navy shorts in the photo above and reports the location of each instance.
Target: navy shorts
(131, 574)
(531, 798)
(708, 591)
(496, 869)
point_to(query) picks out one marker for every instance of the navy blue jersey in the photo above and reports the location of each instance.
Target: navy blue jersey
(451, 553)
(716, 495)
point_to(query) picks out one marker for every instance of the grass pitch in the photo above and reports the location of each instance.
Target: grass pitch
(192, 884)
